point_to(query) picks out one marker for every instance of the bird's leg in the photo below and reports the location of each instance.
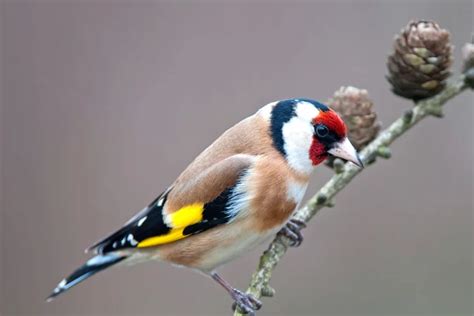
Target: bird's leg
(247, 303)
(292, 230)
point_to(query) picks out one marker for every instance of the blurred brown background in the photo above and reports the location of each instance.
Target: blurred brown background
(104, 103)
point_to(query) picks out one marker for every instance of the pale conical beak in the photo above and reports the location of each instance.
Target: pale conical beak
(345, 150)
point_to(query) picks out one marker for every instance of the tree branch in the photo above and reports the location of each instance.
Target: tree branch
(378, 147)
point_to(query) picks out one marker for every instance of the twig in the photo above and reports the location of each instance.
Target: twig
(259, 284)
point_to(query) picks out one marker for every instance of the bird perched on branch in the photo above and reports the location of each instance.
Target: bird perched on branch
(236, 194)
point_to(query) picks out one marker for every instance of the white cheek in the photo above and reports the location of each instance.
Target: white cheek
(298, 137)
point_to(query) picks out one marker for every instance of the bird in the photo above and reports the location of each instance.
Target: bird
(239, 192)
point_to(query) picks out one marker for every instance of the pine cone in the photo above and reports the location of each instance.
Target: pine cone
(420, 62)
(468, 62)
(468, 56)
(355, 108)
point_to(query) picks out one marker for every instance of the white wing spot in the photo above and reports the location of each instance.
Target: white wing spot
(167, 220)
(62, 283)
(141, 221)
(132, 240)
(160, 202)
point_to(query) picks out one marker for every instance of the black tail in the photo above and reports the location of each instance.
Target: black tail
(91, 267)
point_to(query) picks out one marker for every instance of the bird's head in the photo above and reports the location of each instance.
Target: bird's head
(306, 132)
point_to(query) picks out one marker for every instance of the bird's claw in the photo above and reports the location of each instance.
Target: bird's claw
(292, 230)
(246, 302)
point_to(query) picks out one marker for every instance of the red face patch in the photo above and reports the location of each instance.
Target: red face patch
(332, 121)
(317, 152)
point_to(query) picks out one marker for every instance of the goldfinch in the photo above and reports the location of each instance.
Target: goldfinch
(238, 193)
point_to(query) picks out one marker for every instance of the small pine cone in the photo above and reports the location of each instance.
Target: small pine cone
(468, 56)
(468, 62)
(420, 63)
(356, 109)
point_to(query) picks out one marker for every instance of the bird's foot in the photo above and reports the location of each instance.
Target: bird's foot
(246, 303)
(292, 230)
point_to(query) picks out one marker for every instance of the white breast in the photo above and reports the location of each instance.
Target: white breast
(296, 191)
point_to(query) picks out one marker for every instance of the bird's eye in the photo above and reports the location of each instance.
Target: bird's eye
(322, 131)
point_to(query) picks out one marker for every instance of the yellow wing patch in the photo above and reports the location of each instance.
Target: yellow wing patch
(173, 235)
(186, 216)
(179, 220)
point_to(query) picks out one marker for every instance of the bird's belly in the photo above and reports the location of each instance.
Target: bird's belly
(208, 250)
(233, 248)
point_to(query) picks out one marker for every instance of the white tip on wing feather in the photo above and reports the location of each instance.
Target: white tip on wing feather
(101, 259)
(141, 221)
